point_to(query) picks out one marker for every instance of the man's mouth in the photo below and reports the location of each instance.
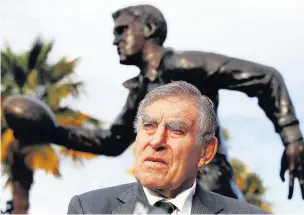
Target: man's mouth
(155, 160)
(120, 49)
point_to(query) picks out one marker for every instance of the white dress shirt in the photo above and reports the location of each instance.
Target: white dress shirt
(182, 202)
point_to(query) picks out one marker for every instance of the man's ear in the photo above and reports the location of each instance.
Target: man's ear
(149, 30)
(208, 152)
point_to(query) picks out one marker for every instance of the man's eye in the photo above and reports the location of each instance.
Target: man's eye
(178, 132)
(148, 125)
(120, 30)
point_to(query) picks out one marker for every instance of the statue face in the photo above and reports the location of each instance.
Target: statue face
(129, 39)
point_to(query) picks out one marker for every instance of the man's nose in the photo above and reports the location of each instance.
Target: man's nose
(159, 137)
(116, 41)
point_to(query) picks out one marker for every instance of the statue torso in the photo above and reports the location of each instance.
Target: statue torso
(173, 67)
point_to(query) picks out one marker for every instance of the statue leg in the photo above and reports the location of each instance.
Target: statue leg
(218, 177)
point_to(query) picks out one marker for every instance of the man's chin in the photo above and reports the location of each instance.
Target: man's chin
(128, 59)
(154, 186)
(155, 182)
(125, 61)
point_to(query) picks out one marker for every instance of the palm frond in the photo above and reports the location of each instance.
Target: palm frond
(6, 139)
(9, 52)
(46, 49)
(250, 185)
(94, 121)
(42, 157)
(14, 67)
(63, 69)
(22, 61)
(57, 93)
(34, 54)
(69, 117)
(6, 65)
(19, 74)
(32, 79)
(76, 156)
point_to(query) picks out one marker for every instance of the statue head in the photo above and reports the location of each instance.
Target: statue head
(134, 26)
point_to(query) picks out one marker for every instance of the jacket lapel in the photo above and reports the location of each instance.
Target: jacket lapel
(134, 199)
(204, 203)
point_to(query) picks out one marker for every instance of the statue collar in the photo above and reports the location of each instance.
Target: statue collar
(136, 81)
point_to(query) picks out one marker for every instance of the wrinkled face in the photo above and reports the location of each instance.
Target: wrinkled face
(129, 38)
(167, 155)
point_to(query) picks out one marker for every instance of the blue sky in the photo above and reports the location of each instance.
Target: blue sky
(269, 32)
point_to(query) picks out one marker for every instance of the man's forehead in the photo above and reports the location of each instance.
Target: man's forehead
(175, 106)
(124, 19)
(158, 116)
(172, 117)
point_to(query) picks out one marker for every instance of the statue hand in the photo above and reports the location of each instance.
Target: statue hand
(31, 119)
(293, 160)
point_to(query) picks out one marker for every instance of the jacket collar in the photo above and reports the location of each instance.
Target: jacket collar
(203, 201)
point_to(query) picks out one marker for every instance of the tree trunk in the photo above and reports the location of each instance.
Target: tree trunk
(22, 179)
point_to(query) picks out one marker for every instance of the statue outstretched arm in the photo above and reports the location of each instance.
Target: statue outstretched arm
(215, 72)
(110, 142)
(269, 87)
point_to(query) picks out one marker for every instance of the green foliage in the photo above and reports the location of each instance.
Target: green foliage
(250, 183)
(30, 73)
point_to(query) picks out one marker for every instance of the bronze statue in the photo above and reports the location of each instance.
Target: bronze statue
(24, 110)
(139, 34)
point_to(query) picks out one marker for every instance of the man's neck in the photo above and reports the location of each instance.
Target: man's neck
(152, 55)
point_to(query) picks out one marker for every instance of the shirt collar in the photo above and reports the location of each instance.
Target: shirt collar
(182, 201)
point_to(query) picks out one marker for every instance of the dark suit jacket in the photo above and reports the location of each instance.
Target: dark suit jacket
(122, 200)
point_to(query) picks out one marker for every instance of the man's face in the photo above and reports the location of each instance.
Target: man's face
(129, 38)
(167, 154)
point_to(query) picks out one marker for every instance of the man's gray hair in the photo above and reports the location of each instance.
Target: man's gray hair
(206, 120)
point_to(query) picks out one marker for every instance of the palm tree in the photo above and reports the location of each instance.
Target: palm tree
(248, 182)
(29, 73)
(250, 185)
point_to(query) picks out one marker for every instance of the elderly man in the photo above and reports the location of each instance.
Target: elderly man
(175, 128)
